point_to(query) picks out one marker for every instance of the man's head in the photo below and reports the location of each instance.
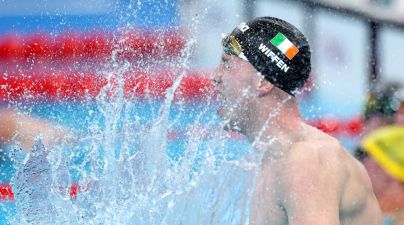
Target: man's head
(262, 57)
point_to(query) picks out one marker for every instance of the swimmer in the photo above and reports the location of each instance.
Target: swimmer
(385, 107)
(382, 154)
(306, 177)
(24, 129)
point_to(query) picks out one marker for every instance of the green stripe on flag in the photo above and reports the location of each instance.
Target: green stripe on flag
(278, 39)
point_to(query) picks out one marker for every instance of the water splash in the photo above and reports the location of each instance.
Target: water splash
(124, 172)
(31, 188)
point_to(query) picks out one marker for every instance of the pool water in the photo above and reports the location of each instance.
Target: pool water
(191, 137)
(133, 166)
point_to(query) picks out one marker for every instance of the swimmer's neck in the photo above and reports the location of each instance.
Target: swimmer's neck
(276, 131)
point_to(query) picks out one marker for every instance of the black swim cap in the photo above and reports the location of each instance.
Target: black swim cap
(276, 49)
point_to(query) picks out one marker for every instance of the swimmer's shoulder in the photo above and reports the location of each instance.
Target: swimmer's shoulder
(333, 154)
(317, 149)
(309, 171)
(317, 145)
(322, 144)
(319, 155)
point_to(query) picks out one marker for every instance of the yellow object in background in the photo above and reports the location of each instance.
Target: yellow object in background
(386, 146)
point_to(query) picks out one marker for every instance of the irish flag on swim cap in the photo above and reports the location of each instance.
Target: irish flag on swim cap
(285, 46)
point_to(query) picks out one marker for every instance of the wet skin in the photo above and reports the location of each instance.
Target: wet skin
(306, 177)
(24, 130)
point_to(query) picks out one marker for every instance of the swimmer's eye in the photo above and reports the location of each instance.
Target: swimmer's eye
(226, 63)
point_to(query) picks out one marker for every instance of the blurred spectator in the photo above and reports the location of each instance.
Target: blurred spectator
(399, 115)
(382, 154)
(24, 129)
(384, 106)
(384, 143)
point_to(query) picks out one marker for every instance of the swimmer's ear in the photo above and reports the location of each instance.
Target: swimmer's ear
(264, 87)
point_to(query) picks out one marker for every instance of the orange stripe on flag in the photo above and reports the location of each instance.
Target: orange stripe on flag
(291, 52)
